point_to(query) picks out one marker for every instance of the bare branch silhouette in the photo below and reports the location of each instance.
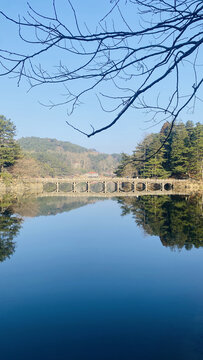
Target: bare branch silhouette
(131, 65)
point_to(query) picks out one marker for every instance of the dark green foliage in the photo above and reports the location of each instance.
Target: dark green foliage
(180, 151)
(180, 157)
(177, 220)
(196, 152)
(9, 228)
(154, 167)
(9, 148)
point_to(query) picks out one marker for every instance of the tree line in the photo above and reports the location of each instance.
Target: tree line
(181, 156)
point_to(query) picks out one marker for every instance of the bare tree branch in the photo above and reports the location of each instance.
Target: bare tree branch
(129, 65)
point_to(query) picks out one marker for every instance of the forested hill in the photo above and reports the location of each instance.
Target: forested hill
(51, 157)
(37, 144)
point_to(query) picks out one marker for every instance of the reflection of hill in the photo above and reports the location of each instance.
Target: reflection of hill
(177, 220)
(10, 223)
(32, 207)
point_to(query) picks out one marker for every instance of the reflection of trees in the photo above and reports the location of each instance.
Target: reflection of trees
(177, 220)
(9, 228)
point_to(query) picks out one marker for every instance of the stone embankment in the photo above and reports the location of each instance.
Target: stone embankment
(20, 186)
(191, 185)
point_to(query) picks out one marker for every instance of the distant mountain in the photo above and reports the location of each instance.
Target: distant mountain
(37, 144)
(51, 157)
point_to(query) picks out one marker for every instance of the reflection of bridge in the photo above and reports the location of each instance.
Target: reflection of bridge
(112, 186)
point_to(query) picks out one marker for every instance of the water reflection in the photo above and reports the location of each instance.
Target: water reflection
(177, 220)
(45, 206)
(86, 284)
(10, 225)
(13, 209)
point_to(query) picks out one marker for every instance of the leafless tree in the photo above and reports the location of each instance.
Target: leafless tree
(125, 63)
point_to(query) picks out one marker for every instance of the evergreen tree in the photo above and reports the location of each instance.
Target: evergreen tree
(140, 153)
(154, 167)
(196, 164)
(9, 149)
(179, 157)
(125, 168)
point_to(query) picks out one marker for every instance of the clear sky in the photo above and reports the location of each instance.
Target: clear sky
(33, 119)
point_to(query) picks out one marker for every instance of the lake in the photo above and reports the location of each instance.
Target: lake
(102, 279)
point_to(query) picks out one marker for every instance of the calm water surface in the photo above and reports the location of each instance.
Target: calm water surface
(92, 284)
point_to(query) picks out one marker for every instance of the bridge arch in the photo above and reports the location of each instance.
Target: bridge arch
(168, 186)
(140, 186)
(111, 186)
(96, 186)
(126, 186)
(81, 187)
(50, 187)
(156, 186)
(65, 187)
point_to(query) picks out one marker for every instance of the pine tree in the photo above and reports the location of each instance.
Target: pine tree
(154, 167)
(179, 157)
(139, 154)
(196, 164)
(126, 167)
(9, 149)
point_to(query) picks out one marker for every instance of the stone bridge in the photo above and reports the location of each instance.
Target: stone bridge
(112, 186)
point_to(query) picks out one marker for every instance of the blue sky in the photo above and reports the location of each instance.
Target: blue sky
(33, 119)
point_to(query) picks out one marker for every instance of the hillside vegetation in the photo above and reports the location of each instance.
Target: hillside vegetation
(51, 157)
